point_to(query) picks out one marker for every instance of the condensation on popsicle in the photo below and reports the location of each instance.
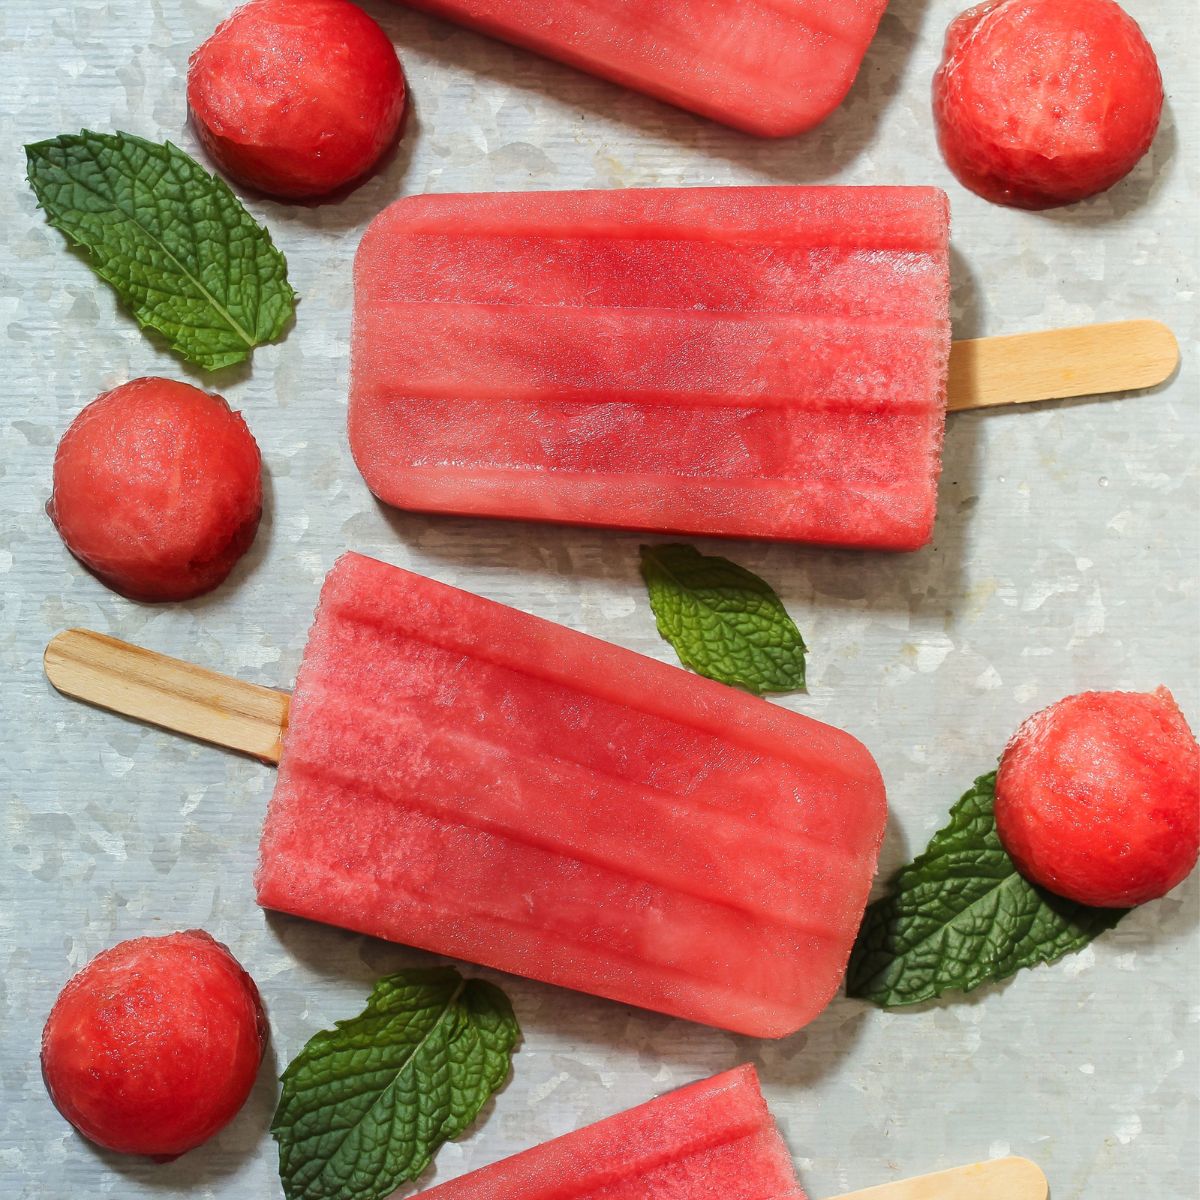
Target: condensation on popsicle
(711, 1139)
(769, 67)
(476, 781)
(747, 362)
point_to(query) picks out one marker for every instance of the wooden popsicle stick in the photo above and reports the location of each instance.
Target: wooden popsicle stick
(1086, 361)
(1001, 1179)
(169, 693)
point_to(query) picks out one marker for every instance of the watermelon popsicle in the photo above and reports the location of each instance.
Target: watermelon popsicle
(769, 67)
(765, 362)
(711, 1139)
(475, 781)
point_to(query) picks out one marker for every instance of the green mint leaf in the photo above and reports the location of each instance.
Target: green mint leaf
(723, 621)
(173, 241)
(367, 1104)
(960, 915)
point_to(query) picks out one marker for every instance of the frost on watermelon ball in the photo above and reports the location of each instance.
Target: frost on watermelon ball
(296, 98)
(157, 489)
(153, 1047)
(1098, 797)
(1040, 103)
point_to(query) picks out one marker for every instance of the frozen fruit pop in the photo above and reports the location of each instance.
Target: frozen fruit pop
(712, 1139)
(763, 362)
(464, 777)
(770, 67)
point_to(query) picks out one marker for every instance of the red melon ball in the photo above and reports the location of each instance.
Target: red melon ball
(157, 489)
(1040, 103)
(296, 98)
(1098, 798)
(153, 1047)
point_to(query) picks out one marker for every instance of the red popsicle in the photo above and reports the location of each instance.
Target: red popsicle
(771, 67)
(712, 1139)
(751, 362)
(466, 778)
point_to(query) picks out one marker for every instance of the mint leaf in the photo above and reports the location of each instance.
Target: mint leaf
(960, 915)
(173, 241)
(367, 1104)
(723, 621)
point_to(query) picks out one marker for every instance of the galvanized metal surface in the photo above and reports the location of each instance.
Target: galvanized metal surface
(1065, 558)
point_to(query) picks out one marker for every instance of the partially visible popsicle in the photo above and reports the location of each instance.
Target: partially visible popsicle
(466, 778)
(770, 67)
(714, 1140)
(764, 362)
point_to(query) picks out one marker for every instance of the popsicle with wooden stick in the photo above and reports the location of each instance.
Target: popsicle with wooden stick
(761, 362)
(466, 778)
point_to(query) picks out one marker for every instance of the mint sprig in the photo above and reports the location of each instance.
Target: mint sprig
(961, 915)
(367, 1104)
(173, 241)
(724, 621)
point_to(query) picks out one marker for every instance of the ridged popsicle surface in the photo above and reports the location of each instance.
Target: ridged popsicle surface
(748, 362)
(769, 67)
(464, 777)
(713, 1140)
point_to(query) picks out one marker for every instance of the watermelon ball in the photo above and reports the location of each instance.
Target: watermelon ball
(153, 1047)
(1040, 103)
(157, 489)
(1098, 798)
(296, 98)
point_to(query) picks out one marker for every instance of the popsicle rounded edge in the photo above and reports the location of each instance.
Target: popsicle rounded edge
(763, 126)
(769, 127)
(1030, 1175)
(1161, 336)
